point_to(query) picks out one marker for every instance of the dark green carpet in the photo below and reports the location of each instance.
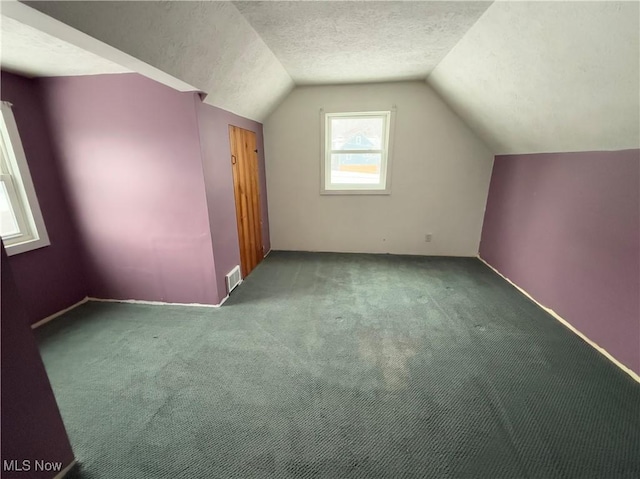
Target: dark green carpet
(342, 366)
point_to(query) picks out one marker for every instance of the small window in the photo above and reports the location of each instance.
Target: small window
(21, 224)
(355, 153)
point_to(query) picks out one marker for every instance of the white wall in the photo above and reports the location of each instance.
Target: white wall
(439, 176)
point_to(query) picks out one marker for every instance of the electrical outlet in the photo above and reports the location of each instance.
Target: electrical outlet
(427, 238)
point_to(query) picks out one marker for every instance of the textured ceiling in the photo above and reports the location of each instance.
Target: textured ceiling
(354, 42)
(548, 76)
(32, 53)
(207, 44)
(526, 76)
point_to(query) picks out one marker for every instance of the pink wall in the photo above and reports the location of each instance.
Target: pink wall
(566, 228)
(130, 154)
(32, 427)
(136, 189)
(52, 278)
(216, 157)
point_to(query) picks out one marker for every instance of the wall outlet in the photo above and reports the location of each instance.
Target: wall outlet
(427, 238)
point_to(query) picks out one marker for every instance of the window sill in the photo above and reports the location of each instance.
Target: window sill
(355, 192)
(30, 245)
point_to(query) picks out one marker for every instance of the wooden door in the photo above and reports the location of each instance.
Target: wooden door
(246, 185)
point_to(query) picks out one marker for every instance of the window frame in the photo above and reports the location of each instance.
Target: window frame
(382, 188)
(16, 178)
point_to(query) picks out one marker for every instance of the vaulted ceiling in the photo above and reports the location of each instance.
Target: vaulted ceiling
(358, 42)
(209, 45)
(532, 77)
(247, 56)
(33, 53)
(526, 76)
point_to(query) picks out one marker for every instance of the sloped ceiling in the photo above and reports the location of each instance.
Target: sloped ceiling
(31, 52)
(528, 77)
(357, 42)
(219, 47)
(207, 44)
(548, 76)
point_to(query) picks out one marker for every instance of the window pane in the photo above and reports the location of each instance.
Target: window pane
(356, 133)
(357, 168)
(8, 223)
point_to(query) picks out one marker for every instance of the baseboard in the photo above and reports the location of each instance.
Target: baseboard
(225, 298)
(131, 301)
(66, 470)
(157, 303)
(59, 313)
(566, 323)
(267, 253)
(378, 253)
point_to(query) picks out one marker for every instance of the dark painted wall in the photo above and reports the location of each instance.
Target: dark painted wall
(130, 153)
(216, 157)
(566, 228)
(50, 278)
(32, 428)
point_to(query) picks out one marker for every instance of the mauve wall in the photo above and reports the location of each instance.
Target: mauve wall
(32, 428)
(130, 152)
(51, 278)
(565, 227)
(216, 157)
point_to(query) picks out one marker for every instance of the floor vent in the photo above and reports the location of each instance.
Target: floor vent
(233, 278)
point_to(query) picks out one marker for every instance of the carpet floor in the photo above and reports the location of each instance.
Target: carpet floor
(342, 366)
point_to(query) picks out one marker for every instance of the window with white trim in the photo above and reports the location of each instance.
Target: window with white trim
(355, 152)
(21, 224)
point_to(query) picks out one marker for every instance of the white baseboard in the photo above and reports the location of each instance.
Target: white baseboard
(567, 324)
(55, 315)
(225, 298)
(158, 303)
(66, 470)
(131, 301)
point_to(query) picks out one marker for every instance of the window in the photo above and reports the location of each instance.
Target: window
(355, 152)
(21, 224)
